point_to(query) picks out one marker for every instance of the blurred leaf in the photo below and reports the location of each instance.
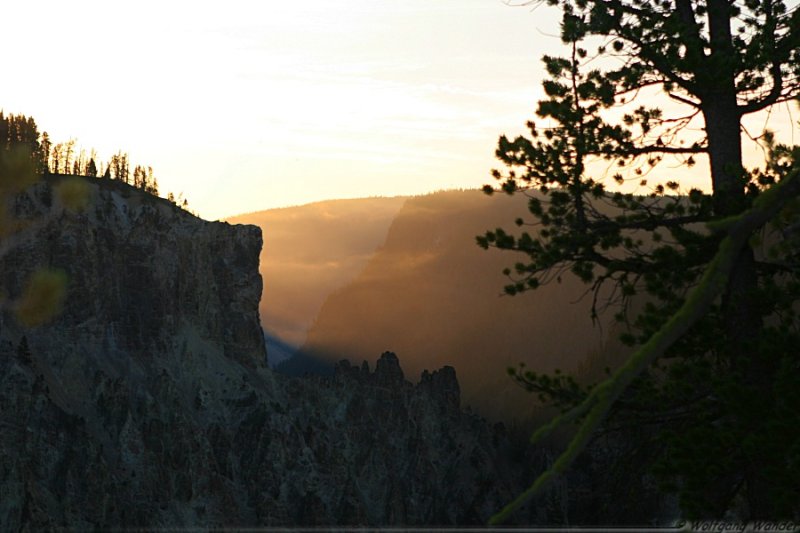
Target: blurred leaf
(74, 193)
(43, 297)
(17, 170)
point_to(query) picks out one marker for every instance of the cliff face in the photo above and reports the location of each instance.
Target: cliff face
(147, 401)
(142, 275)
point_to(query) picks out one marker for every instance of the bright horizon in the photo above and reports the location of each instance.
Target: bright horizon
(245, 106)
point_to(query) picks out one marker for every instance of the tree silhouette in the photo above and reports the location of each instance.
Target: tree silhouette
(20, 132)
(56, 163)
(91, 168)
(719, 321)
(45, 147)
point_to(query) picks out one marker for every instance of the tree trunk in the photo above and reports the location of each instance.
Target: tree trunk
(740, 306)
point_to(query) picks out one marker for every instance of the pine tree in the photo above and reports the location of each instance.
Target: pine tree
(152, 183)
(138, 177)
(721, 60)
(69, 152)
(57, 158)
(91, 168)
(44, 153)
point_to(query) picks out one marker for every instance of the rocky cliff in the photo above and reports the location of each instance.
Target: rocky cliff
(147, 400)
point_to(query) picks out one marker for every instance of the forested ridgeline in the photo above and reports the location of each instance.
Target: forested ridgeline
(21, 144)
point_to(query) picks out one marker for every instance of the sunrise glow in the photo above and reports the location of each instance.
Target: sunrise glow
(247, 105)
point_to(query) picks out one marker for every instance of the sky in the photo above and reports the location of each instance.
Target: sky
(246, 105)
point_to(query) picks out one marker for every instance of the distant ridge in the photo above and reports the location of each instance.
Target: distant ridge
(431, 295)
(310, 251)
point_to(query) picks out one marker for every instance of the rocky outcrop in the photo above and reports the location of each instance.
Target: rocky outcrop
(442, 385)
(147, 401)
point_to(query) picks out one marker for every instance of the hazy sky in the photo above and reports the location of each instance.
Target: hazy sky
(244, 105)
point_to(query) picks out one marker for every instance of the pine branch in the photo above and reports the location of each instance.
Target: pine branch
(596, 406)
